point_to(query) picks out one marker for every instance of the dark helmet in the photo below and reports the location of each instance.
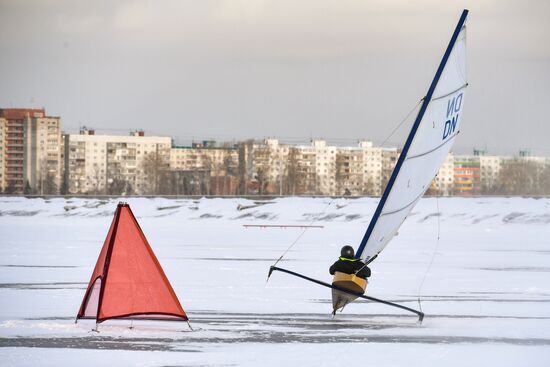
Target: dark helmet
(347, 252)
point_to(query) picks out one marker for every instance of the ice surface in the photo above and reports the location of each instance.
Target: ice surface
(486, 296)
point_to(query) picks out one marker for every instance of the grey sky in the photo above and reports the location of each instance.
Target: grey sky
(339, 70)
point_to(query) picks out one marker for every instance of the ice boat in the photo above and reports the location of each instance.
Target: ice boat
(430, 139)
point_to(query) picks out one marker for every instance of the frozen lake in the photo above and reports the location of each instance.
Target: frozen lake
(486, 295)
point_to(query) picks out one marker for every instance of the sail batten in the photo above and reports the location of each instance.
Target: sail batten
(451, 138)
(426, 147)
(402, 208)
(448, 94)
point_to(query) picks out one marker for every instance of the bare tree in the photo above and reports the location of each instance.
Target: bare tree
(262, 167)
(293, 177)
(230, 169)
(97, 180)
(369, 187)
(64, 189)
(245, 165)
(342, 173)
(491, 189)
(28, 189)
(50, 186)
(117, 186)
(545, 180)
(311, 181)
(292, 174)
(520, 177)
(115, 181)
(205, 179)
(262, 176)
(10, 188)
(156, 174)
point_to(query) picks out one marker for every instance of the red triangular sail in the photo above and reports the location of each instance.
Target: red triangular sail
(128, 281)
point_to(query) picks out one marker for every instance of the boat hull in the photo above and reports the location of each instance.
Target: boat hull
(349, 282)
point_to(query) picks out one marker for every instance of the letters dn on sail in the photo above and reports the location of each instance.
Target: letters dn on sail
(453, 107)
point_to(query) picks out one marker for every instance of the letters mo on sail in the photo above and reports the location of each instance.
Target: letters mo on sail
(453, 108)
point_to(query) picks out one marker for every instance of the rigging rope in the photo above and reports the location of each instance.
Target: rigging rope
(300, 235)
(384, 142)
(401, 123)
(330, 202)
(433, 253)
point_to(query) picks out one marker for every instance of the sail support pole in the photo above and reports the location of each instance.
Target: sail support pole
(107, 262)
(359, 295)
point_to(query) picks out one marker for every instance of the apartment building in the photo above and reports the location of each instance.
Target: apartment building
(274, 166)
(204, 168)
(14, 149)
(325, 167)
(31, 152)
(539, 160)
(372, 168)
(266, 169)
(42, 164)
(389, 160)
(219, 161)
(3, 164)
(318, 168)
(349, 171)
(106, 163)
(489, 170)
(466, 175)
(302, 170)
(443, 183)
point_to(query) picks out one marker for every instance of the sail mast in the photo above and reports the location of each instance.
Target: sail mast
(426, 101)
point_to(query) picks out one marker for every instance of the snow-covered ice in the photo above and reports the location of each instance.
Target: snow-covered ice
(486, 295)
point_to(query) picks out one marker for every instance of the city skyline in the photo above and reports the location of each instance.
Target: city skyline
(37, 158)
(341, 71)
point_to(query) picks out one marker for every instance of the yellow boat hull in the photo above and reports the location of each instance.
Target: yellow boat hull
(349, 282)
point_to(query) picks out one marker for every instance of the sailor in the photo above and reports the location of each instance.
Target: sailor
(347, 263)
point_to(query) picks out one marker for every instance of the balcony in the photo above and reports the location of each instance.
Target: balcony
(14, 124)
(14, 145)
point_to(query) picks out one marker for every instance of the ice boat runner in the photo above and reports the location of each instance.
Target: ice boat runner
(430, 140)
(128, 281)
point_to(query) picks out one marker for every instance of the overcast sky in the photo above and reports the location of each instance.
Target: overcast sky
(340, 70)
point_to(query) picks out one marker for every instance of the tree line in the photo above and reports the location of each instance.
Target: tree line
(520, 177)
(516, 177)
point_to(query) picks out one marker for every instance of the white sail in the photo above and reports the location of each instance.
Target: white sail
(427, 146)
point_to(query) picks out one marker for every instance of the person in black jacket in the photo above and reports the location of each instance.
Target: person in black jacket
(347, 263)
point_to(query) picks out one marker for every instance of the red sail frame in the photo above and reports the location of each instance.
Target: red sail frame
(128, 281)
